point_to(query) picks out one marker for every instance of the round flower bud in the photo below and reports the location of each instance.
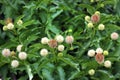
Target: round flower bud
(10, 26)
(97, 12)
(101, 27)
(105, 53)
(69, 39)
(91, 53)
(14, 63)
(107, 64)
(6, 52)
(71, 48)
(19, 22)
(59, 38)
(52, 43)
(99, 58)
(61, 47)
(44, 52)
(114, 36)
(44, 40)
(22, 55)
(95, 18)
(12, 53)
(60, 54)
(87, 18)
(19, 47)
(70, 30)
(91, 1)
(91, 72)
(102, 5)
(90, 25)
(99, 50)
(4, 28)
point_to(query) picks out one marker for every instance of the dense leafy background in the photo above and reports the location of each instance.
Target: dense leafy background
(51, 17)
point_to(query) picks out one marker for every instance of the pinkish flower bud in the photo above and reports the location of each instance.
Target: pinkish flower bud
(99, 58)
(114, 36)
(95, 18)
(52, 43)
(69, 39)
(6, 52)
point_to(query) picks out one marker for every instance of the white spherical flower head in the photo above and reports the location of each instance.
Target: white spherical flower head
(61, 47)
(87, 18)
(107, 64)
(14, 63)
(44, 52)
(99, 50)
(19, 47)
(22, 55)
(6, 52)
(91, 53)
(44, 40)
(91, 72)
(69, 39)
(101, 27)
(114, 36)
(10, 26)
(90, 25)
(59, 38)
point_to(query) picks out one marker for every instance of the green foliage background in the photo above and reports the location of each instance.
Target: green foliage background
(51, 17)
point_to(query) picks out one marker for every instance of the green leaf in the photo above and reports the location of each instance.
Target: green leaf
(47, 75)
(61, 73)
(29, 72)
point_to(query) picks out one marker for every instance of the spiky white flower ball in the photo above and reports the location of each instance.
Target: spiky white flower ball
(90, 25)
(69, 39)
(99, 50)
(44, 40)
(114, 36)
(44, 52)
(107, 64)
(91, 72)
(19, 47)
(61, 47)
(19, 22)
(91, 53)
(22, 55)
(6, 52)
(15, 63)
(59, 38)
(10, 26)
(101, 27)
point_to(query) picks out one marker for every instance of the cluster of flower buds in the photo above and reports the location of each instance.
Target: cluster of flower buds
(95, 18)
(9, 24)
(55, 43)
(21, 55)
(99, 56)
